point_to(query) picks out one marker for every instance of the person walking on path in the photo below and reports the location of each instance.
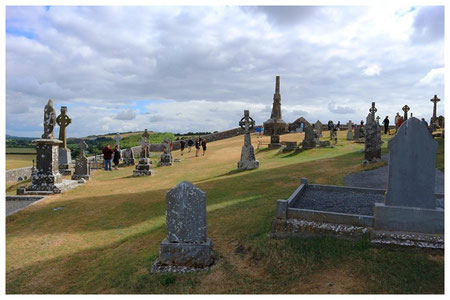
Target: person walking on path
(107, 157)
(182, 144)
(204, 146)
(190, 144)
(386, 125)
(197, 146)
(116, 157)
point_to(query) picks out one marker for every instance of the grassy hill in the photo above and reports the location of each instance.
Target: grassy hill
(109, 231)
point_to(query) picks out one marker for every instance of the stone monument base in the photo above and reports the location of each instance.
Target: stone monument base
(274, 142)
(349, 136)
(197, 255)
(166, 160)
(129, 161)
(289, 146)
(410, 219)
(324, 144)
(143, 172)
(66, 169)
(143, 167)
(79, 176)
(248, 164)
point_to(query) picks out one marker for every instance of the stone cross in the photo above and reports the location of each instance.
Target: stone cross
(435, 100)
(83, 146)
(63, 121)
(247, 124)
(117, 138)
(378, 120)
(49, 120)
(144, 146)
(373, 110)
(405, 110)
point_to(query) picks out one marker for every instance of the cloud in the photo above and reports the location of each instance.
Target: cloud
(127, 114)
(332, 107)
(428, 24)
(434, 76)
(372, 70)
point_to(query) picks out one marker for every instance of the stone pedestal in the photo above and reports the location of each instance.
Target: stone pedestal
(82, 169)
(198, 255)
(248, 161)
(166, 160)
(274, 142)
(289, 146)
(46, 175)
(143, 167)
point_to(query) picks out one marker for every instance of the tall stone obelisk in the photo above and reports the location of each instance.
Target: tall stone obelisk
(275, 125)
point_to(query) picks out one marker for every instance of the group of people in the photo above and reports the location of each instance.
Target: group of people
(198, 142)
(109, 156)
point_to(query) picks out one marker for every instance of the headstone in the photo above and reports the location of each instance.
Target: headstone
(248, 160)
(166, 157)
(441, 121)
(143, 168)
(117, 138)
(276, 125)
(64, 155)
(288, 146)
(274, 142)
(349, 130)
(435, 100)
(309, 141)
(318, 128)
(405, 112)
(82, 167)
(128, 157)
(46, 175)
(372, 150)
(186, 243)
(410, 201)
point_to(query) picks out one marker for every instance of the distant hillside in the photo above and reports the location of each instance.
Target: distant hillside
(12, 137)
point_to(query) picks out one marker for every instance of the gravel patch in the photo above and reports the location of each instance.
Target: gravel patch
(348, 202)
(16, 205)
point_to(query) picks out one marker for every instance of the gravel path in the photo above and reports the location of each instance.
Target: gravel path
(16, 205)
(377, 178)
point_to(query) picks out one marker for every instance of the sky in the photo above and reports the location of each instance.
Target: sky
(197, 68)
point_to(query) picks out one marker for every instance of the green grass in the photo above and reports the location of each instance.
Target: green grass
(440, 154)
(108, 234)
(14, 161)
(20, 150)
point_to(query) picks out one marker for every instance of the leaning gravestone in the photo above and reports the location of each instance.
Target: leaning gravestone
(318, 128)
(144, 163)
(410, 201)
(46, 175)
(349, 131)
(186, 243)
(248, 160)
(166, 158)
(82, 167)
(128, 157)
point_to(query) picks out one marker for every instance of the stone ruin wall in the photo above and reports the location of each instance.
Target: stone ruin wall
(17, 175)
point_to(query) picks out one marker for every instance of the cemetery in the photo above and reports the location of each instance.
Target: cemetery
(219, 224)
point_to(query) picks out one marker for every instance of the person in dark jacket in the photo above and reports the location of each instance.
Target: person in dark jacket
(182, 144)
(386, 125)
(107, 157)
(190, 144)
(116, 157)
(197, 146)
(204, 146)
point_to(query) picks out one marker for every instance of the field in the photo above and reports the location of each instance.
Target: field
(108, 232)
(14, 161)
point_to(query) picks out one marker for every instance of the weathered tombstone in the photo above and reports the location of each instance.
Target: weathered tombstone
(82, 167)
(441, 121)
(144, 163)
(435, 100)
(276, 125)
(117, 138)
(248, 160)
(46, 175)
(166, 156)
(288, 146)
(405, 112)
(349, 130)
(186, 243)
(128, 157)
(309, 141)
(318, 128)
(64, 155)
(372, 150)
(410, 201)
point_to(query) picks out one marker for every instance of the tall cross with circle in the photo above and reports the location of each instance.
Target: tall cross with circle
(144, 144)
(435, 100)
(373, 110)
(63, 121)
(247, 123)
(405, 110)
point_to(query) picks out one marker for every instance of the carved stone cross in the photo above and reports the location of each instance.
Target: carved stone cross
(117, 138)
(144, 145)
(83, 146)
(435, 100)
(63, 121)
(373, 110)
(378, 120)
(405, 110)
(247, 122)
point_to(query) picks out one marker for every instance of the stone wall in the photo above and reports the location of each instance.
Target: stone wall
(16, 175)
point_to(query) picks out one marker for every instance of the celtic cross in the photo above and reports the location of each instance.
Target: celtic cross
(435, 100)
(405, 110)
(63, 121)
(373, 110)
